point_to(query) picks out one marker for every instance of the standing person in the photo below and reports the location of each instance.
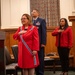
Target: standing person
(64, 42)
(41, 25)
(28, 45)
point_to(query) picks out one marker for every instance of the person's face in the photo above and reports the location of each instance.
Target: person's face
(62, 22)
(34, 13)
(24, 20)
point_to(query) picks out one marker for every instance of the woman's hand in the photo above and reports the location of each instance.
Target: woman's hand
(21, 32)
(34, 53)
(60, 30)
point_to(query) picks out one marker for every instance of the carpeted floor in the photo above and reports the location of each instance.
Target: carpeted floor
(58, 73)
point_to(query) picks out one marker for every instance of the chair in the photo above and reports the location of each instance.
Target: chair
(15, 54)
(50, 54)
(54, 60)
(10, 65)
(49, 63)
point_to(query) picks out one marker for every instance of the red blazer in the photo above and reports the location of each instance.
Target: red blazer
(25, 58)
(66, 38)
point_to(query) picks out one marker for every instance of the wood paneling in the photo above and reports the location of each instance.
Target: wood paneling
(9, 41)
(50, 45)
(72, 19)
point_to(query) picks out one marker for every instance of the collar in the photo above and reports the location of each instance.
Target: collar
(35, 18)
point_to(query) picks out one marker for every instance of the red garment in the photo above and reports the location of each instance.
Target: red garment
(25, 59)
(66, 38)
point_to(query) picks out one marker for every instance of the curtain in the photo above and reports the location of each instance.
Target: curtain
(48, 9)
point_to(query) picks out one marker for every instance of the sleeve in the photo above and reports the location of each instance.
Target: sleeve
(16, 35)
(44, 35)
(55, 32)
(35, 39)
(70, 38)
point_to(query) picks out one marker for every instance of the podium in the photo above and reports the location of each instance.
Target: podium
(2, 53)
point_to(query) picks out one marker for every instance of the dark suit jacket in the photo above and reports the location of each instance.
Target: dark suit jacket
(41, 25)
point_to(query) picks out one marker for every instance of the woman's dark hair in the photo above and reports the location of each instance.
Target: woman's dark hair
(66, 23)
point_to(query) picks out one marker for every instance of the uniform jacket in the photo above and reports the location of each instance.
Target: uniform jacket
(25, 59)
(41, 25)
(66, 37)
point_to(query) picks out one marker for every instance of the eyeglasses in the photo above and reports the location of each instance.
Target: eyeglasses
(23, 18)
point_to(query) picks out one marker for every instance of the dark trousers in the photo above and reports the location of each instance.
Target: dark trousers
(64, 58)
(40, 69)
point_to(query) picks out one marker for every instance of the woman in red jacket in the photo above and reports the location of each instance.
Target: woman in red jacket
(28, 45)
(64, 42)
